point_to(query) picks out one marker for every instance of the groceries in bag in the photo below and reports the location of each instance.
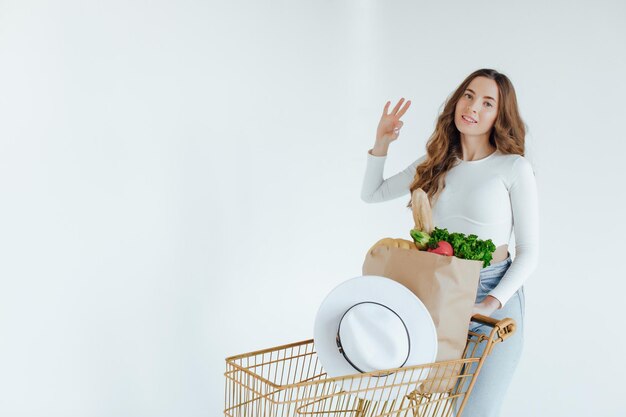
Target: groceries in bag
(447, 285)
(442, 242)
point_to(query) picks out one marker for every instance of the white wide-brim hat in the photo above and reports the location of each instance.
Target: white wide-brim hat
(370, 323)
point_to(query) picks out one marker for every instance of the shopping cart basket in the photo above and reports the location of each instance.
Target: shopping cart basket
(288, 380)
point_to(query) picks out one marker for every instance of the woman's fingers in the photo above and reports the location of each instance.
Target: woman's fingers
(395, 109)
(386, 109)
(404, 109)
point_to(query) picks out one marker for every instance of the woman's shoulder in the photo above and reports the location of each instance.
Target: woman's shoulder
(517, 169)
(514, 166)
(513, 160)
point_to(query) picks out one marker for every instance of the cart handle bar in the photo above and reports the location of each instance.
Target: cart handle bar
(507, 325)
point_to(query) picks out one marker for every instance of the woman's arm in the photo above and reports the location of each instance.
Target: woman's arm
(525, 206)
(375, 189)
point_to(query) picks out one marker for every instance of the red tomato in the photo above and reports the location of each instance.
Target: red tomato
(444, 248)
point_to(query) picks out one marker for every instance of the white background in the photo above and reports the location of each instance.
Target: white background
(180, 182)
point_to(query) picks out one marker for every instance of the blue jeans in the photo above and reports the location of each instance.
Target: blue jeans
(497, 371)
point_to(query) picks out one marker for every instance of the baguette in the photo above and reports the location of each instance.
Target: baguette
(422, 212)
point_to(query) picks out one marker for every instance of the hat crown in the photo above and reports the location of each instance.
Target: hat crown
(372, 337)
(390, 295)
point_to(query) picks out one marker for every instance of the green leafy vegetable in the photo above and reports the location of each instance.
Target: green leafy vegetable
(465, 247)
(420, 238)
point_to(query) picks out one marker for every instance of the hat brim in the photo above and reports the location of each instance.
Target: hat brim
(419, 323)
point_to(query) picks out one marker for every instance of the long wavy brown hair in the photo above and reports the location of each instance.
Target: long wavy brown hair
(444, 145)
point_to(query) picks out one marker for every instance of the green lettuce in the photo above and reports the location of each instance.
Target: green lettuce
(465, 247)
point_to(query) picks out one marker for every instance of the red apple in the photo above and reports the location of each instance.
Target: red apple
(443, 248)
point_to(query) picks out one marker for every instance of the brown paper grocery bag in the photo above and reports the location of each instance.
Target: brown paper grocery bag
(447, 286)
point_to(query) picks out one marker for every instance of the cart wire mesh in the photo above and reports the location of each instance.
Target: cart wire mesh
(289, 380)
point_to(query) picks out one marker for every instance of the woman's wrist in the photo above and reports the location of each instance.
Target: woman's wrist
(380, 149)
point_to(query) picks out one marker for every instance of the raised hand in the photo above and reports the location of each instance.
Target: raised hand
(390, 124)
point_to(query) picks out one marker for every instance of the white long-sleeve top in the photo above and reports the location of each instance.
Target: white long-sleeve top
(489, 197)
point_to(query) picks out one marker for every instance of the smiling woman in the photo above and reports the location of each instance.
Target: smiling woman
(478, 182)
(487, 106)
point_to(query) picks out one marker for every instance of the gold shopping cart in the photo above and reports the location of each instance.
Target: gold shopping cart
(288, 380)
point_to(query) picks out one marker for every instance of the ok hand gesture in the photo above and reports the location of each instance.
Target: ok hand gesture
(390, 124)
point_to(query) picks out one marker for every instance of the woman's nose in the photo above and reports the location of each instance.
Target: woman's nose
(471, 109)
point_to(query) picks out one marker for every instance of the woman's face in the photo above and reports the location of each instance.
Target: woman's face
(480, 102)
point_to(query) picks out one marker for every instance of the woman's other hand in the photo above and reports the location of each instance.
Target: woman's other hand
(487, 306)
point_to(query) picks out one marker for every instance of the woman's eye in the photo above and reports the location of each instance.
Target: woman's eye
(470, 96)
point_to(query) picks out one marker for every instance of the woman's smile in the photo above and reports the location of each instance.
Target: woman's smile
(468, 121)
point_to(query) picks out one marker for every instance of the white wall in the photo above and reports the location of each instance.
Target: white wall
(180, 182)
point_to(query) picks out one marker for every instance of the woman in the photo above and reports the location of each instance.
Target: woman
(478, 182)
